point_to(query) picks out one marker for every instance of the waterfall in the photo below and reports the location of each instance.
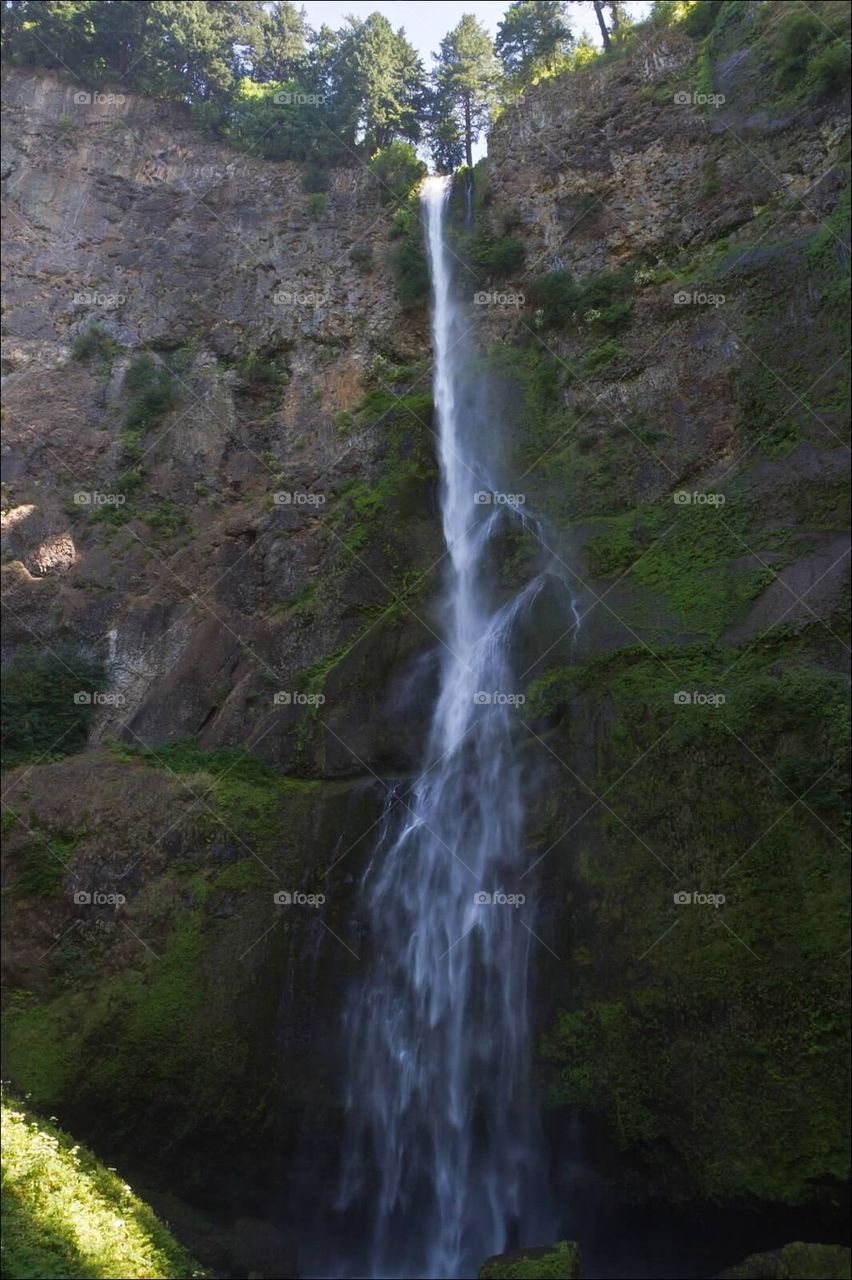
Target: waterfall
(443, 1164)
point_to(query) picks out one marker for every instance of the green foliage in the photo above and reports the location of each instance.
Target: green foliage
(533, 38)
(562, 1262)
(41, 866)
(408, 258)
(94, 344)
(700, 18)
(497, 255)
(165, 518)
(602, 356)
(464, 87)
(554, 295)
(65, 1214)
(396, 171)
(152, 393)
(47, 702)
(317, 202)
(603, 302)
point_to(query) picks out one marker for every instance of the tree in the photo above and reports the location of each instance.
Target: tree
(390, 83)
(465, 80)
(281, 50)
(534, 34)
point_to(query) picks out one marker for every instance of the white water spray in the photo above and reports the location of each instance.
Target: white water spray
(443, 1165)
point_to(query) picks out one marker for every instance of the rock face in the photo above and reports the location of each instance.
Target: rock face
(561, 1262)
(186, 341)
(169, 549)
(794, 1262)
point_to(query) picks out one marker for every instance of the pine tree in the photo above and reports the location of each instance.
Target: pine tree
(533, 35)
(465, 80)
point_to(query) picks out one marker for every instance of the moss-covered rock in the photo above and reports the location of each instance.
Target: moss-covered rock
(557, 1262)
(794, 1262)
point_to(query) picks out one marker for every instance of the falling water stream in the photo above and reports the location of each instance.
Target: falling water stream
(443, 1162)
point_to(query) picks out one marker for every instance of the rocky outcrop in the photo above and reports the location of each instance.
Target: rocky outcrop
(204, 553)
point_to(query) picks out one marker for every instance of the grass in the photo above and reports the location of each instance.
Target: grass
(65, 1214)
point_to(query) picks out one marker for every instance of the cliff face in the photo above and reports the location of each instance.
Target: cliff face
(680, 379)
(242, 291)
(674, 393)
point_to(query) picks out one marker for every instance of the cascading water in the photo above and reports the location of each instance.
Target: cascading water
(443, 1165)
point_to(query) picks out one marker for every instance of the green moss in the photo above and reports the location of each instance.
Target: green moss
(695, 1034)
(795, 1262)
(562, 1262)
(65, 1214)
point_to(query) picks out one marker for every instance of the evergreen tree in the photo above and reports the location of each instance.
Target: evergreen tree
(465, 81)
(533, 35)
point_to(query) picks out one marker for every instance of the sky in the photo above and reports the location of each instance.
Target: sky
(427, 21)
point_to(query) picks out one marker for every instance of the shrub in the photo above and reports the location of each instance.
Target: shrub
(555, 295)
(47, 702)
(396, 170)
(500, 255)
(93, 343)
(828, 70)
(152, 392)
(700, 19)
(797, 32)
(317, 202)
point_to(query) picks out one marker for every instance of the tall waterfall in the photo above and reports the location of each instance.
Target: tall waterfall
(443, 1165)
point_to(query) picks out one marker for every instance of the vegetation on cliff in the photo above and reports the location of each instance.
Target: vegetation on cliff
(65, 1214)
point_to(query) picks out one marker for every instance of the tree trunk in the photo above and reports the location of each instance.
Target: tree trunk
(602, 24)
(468, 132)
(614, 15)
